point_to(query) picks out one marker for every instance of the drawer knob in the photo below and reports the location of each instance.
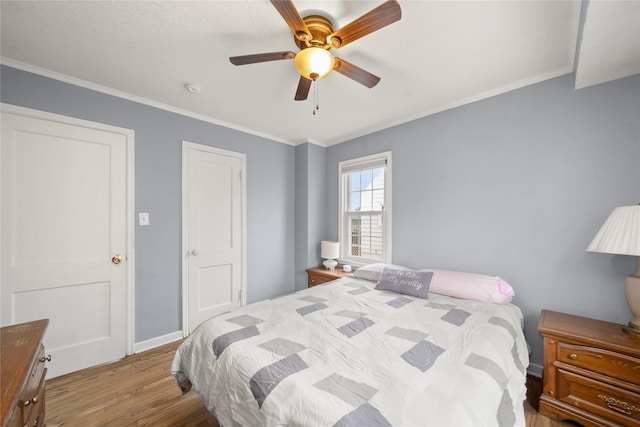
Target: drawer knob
(573, 356)
(46, 358)
(32, 401)
(618, 405)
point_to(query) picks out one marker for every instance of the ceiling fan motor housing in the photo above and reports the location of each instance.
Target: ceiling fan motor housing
(320, 28)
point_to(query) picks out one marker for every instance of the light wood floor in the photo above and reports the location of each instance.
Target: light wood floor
(139, 391)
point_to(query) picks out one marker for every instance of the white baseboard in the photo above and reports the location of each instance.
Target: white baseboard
(157, 342)
(535, 370)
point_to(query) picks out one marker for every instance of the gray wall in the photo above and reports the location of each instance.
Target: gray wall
(516, 185)
(158, 141)
(310, 208)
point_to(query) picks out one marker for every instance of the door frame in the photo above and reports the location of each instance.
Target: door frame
(186, 146)
(129, 135)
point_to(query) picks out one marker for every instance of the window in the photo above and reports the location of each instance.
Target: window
(365, 209)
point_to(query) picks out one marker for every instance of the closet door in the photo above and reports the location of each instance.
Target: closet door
(213, 232)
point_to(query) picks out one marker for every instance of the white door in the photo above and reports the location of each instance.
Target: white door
(64, 225)
(213, 232)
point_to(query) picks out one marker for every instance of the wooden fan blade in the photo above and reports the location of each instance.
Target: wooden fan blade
(261, 57)
(292, 17)
(303, 89)
(383, 15)
(356, 73)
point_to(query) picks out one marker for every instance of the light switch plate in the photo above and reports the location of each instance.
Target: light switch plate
(143, 218)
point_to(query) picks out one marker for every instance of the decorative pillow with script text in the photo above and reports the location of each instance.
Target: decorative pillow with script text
(407, 282)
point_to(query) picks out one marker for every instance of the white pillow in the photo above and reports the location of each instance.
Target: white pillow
(374, 271)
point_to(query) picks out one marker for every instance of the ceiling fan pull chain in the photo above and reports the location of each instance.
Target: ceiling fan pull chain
(315, 97)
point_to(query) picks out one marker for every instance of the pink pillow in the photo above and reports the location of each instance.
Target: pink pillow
(477, 287)
(471, 286)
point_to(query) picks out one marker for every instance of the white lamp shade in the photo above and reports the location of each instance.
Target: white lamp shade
(329, 249)
(620, 234)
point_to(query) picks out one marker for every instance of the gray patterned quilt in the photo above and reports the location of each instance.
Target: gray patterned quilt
(345, 354)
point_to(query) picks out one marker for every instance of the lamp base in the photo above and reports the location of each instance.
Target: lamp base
(632, 329)
(632, 288)
(330, 264)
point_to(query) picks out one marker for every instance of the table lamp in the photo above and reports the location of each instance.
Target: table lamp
(330, 251)
(620, 235)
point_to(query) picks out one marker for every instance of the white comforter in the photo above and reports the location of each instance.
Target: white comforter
(345, 354)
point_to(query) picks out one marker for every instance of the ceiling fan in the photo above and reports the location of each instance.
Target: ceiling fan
(315, 36)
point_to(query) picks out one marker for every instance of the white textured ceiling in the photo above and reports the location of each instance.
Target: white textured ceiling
(441, 54)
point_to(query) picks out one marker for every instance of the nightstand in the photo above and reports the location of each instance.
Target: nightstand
(320, 275)
(591, 371)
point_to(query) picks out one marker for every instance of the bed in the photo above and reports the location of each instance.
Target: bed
(348, 354)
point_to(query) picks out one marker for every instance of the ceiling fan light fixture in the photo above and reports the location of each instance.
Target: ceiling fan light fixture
(315, 35)
(314, 63)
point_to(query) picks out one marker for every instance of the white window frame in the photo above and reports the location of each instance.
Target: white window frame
(354, 165)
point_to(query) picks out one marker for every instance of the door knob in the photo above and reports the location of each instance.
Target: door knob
(117, 259)
(194, 252)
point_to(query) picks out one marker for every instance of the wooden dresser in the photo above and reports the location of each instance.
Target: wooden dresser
(23, 374)
(320, 275)
(591, 371)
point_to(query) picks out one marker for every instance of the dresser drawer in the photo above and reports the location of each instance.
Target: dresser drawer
(316, 279)
(603, 400)
(31, 399)
(604, 362)
(33, 413)
(319, 275)
(23, 372)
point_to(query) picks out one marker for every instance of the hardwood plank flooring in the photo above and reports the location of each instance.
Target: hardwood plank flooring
(135, 391)
(140, 391)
